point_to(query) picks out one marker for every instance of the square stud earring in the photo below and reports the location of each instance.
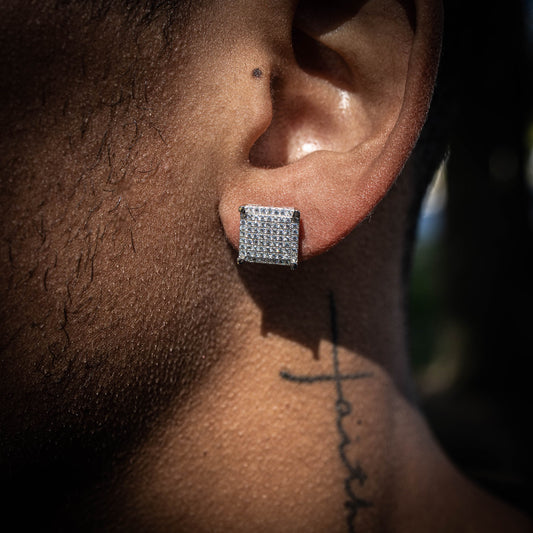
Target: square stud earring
(269, 235)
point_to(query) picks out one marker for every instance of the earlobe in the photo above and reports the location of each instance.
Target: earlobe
(348, 100)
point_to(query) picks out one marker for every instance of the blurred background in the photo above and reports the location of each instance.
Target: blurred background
(471, 294)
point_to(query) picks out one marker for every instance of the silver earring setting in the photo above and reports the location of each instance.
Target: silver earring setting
(269, 235)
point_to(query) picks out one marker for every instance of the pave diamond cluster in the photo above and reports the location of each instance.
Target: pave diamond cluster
(269, 235)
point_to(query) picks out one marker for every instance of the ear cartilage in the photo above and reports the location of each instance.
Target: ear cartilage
(269, 235)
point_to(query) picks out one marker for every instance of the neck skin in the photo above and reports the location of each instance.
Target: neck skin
(303, 424)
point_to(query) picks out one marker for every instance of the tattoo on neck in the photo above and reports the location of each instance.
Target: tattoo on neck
(343, 408)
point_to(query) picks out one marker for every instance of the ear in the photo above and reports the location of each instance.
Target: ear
(340, 105)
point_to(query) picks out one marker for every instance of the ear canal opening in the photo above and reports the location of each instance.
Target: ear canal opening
(270, 149)
(317, 59)
(314, 107)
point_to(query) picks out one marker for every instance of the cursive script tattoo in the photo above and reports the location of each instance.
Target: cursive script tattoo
(343, 408)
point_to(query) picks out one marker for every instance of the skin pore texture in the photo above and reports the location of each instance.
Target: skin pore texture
(147, 382)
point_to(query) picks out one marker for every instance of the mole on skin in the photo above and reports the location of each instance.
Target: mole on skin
(257, 72)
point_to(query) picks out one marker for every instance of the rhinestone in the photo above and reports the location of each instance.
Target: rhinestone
(269, 235)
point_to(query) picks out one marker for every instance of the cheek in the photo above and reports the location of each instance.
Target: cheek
(113, 262)
(156, 271)
(109, 298)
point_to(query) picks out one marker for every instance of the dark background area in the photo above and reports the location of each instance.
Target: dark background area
(472, 286)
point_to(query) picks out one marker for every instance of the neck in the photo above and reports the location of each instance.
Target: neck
(303, 424)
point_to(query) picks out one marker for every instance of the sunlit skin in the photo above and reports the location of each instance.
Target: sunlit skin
(143, 373)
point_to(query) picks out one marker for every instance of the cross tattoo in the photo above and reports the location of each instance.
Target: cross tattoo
(343, 408)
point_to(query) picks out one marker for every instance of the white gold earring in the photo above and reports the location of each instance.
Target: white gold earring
(269, 235)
